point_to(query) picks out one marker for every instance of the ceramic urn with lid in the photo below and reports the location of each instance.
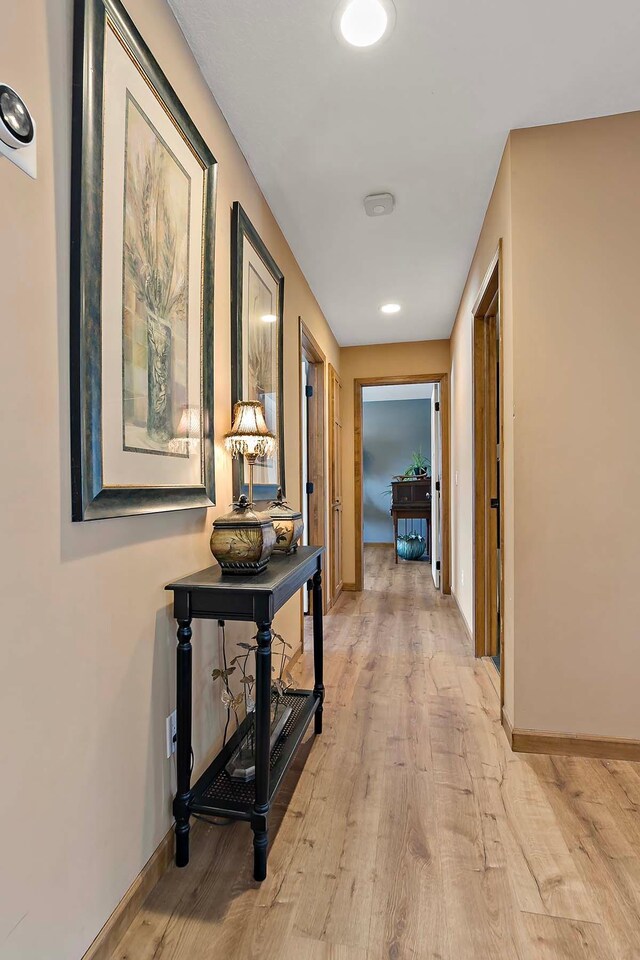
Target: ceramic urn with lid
(243, 540)
(288, 524)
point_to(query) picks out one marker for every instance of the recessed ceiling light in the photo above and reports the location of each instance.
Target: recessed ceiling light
(269, 318)
(390, 308)
(365, 22)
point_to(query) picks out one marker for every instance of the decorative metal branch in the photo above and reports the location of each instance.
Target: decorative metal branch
(245, 697)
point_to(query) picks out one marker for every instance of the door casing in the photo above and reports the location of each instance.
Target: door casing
(436, 491)
(488, 572)
(443, 380)
(309, 349)
(335, 486)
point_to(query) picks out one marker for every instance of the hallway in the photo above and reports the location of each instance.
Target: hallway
(412, 830)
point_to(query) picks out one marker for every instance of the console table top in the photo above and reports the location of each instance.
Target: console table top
(279, 570)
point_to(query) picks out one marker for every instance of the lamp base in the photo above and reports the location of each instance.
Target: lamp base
(243, 569)
(242, 541)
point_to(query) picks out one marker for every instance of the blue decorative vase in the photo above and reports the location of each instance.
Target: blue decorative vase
(411, 549)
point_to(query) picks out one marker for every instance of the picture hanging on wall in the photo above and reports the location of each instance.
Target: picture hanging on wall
(257, 324)
(142, 228)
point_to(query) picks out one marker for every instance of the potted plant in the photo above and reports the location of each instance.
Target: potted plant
(411, 546)
(419, 466)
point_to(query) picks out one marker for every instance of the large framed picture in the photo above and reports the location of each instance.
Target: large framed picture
(142, 229)
(257, 324)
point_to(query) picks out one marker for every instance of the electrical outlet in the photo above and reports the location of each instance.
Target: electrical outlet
(172, 728)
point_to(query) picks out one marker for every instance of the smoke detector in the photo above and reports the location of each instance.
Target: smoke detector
(379, 204)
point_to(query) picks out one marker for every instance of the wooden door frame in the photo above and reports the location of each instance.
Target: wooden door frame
(335, 589)
(490, 291)
(443, 380)
(309, 348)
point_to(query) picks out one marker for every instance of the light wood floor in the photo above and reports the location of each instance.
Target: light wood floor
(412, 830)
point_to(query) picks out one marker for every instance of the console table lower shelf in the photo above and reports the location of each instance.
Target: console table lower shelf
(216, 794)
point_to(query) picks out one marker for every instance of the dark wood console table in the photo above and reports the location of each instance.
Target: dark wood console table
(411, 500)
(210, 595)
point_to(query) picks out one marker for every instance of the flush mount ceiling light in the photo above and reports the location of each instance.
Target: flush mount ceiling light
(363, 23)
(268, 318)
(390, 308)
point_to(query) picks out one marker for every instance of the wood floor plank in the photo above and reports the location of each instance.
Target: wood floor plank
(553, 938)
(408, 917)
(627, 777)
(409, 830)
(302, 948)
(476, 885)
(543, 846)
(334, 876)
(611, 881)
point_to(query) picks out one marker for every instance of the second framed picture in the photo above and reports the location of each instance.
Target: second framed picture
(257, 326)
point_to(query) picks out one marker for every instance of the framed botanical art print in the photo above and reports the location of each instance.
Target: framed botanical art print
(142, 228)
(257, 323)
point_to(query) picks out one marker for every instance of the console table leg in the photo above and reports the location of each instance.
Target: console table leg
(260, 851)
(263, 751)
(318, 688)
(183, 743)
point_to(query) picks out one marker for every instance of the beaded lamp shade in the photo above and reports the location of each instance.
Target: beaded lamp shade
(249, 435)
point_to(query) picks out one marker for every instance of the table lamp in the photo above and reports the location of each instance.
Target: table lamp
(249, 436)
(243, 540)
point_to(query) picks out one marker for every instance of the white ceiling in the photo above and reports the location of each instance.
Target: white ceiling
(425, 116)
(405, 391)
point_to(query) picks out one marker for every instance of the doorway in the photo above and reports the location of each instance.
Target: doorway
(488, 462)
(380, 502)
(312, 445)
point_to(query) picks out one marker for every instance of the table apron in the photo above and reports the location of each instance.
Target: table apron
(246, 605)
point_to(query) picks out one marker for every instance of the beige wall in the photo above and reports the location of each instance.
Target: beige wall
(567, 207)
(496, 229)
(87, 674)
(576, 250)
(380, 360)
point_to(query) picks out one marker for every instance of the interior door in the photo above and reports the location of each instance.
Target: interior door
(436, 483)
(493, 434)
(335, 484)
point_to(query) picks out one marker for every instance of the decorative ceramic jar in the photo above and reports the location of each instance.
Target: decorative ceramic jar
(411, 547)
(243, 540)
(288, 524)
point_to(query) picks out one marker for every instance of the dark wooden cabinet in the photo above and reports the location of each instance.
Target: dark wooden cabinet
(411, 492)
(411, 500)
